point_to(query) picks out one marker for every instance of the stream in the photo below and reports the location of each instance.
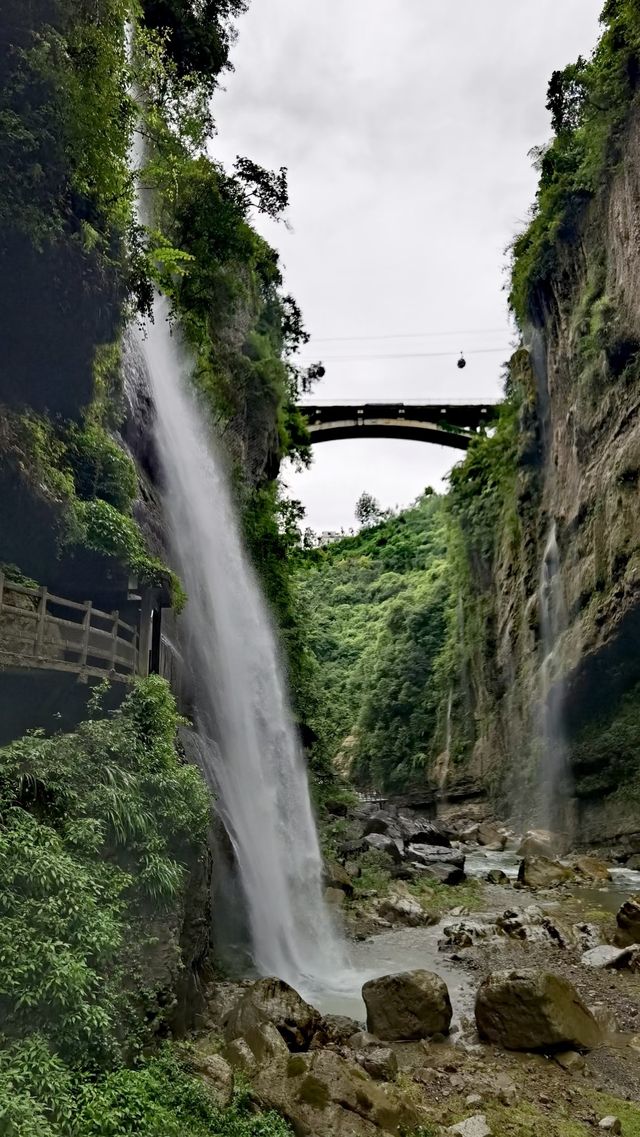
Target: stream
(405, 949)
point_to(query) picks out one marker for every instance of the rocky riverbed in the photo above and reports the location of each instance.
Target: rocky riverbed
(506, 1003)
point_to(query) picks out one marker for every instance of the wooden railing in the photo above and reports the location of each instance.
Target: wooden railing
(40, 630)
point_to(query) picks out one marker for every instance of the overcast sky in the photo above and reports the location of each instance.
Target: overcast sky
(405, 126)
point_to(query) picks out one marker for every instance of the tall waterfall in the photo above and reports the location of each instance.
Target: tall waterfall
(255, 766)
(554, 765)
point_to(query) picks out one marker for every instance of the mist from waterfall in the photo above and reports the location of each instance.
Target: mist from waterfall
(249, 746)
(553, 767)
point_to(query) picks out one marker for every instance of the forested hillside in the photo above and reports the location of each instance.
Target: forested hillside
(381, 614)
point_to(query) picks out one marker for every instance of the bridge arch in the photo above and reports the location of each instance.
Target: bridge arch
(443, 424)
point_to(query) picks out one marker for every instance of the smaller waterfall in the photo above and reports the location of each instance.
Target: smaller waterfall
(553, 769)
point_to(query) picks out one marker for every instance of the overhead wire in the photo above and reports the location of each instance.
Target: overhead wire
(408, 335)
(411, 355)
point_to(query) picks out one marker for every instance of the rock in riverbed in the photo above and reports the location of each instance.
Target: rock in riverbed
(534, 1010)
(608, 957)
(408, 1006)
(628, 920)
(404, 910)
(540, 872)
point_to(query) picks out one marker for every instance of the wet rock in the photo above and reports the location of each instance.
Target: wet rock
(537, 843)
(633, 862)
(421, 832)
(408, 1006)
(325, 1095)
(464, 934)
(610, 1125)
(470, 834)
(383, 823)
(273, 1001)
(490, 836)
(404, 910)
(628, 921)
(384, 844)
(335, 876)
(476, 1126)
(217, 1076)
(534, 1010)
(540, 872)
(606, 957)
(379, 1062)
(497, 876)
(444, 874)
(591, 868)
(587, 936)
(570, 1061)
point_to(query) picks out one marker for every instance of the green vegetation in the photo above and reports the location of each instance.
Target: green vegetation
(99, 831)
(605, 754)
(380, 609)
(589, 103)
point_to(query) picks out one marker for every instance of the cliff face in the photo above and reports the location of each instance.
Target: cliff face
(577, 476)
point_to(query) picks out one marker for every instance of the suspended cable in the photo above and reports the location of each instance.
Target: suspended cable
(409, 335)
(412, 355)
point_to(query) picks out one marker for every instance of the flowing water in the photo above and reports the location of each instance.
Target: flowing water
(554, 774)
(255, 765)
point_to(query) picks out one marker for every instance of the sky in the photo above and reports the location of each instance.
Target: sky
(406, 127)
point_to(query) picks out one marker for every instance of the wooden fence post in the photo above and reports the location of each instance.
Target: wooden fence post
(42, 621)
(114, 639)
(86, 625)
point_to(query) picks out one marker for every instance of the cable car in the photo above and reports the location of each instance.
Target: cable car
(462, 361)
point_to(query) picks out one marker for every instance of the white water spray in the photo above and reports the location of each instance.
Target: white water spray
(554, 765)
(256, 767)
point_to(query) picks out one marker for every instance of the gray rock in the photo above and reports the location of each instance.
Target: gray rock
(384, 844)
(273, 1001)
(490, 835)
(497, 876)
(540, 872)
(570, 1061)
(610, 1124)
(335, 876)
(336, 1029)
(240, 1056)
(380, 1062)
(217, 1075)
(335, 897)
(476, 1126)
(408, 1006)
(534, 1010)
(444, 874)
(606, 956)
(628, 920)
(436, 854)
(404, 910)
(464, 934)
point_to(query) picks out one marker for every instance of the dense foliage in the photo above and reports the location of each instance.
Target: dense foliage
(381, 612)
(99, 830)
(589, 103)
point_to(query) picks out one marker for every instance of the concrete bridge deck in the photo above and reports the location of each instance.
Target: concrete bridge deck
(441, 423)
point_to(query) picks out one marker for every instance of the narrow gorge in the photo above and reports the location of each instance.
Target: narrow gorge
(331, 837)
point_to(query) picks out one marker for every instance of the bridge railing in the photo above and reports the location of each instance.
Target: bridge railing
(40, 630)
(493, 401)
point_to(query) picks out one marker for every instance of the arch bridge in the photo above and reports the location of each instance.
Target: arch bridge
(441, 423)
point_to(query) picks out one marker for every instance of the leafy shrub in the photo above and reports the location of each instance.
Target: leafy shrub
(100, 468)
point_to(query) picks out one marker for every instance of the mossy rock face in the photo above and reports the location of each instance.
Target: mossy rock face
(408, 1006)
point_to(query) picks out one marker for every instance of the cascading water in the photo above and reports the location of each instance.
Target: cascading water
(554, 766)
(256, 767)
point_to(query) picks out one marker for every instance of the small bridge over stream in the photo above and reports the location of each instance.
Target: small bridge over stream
(441, 423)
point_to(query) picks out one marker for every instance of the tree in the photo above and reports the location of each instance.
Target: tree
(368, 510)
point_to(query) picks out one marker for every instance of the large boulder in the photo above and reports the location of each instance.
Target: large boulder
(607, 957)
(382, 822)
(384, 844)
(408, 1006)
(273, 1001)
(443, 874)
(591, 868)
(217, 1075)
(537, 843)
(322, 1094)
(628, 921)
(417, 831)
(540, 872)
(436, 855)
(534, 1010)
(489, 835)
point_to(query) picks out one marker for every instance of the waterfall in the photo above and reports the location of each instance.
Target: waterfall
(554, 766)
(255, 767)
